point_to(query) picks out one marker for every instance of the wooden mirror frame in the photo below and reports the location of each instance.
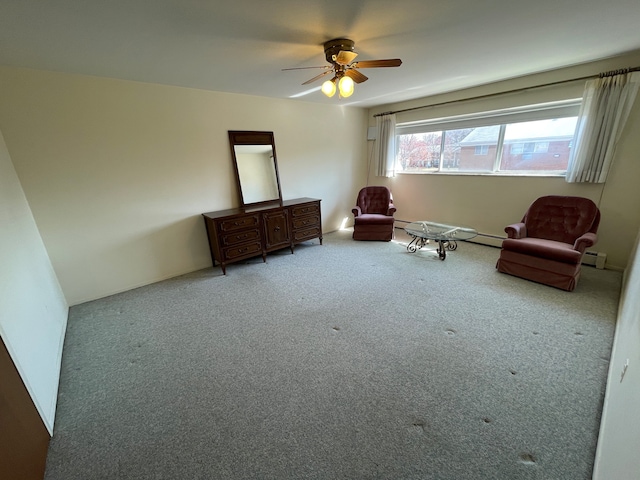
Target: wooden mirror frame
(246, 184)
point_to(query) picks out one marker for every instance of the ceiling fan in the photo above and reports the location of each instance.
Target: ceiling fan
(340, 55)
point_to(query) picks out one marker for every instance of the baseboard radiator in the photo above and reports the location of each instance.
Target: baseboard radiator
(594, 259)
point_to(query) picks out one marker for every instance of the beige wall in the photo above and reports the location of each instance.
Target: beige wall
(489, 203)
(33, 311)
(117, 173)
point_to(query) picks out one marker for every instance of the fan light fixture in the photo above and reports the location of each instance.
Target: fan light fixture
(329, 88)
(345, 87)
(346, 73)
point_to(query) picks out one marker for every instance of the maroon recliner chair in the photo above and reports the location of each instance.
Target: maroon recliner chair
(373, 214)
(547, 246)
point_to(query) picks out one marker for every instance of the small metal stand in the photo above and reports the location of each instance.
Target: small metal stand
(416, 244)
(443, 245)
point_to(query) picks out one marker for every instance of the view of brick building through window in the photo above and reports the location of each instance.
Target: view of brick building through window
(535, 146)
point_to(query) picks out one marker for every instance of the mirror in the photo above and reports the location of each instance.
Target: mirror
(256, 168)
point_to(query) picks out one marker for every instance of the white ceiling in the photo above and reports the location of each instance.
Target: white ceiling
(242, 46)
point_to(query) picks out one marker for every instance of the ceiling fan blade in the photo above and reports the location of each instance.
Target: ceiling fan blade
(317, 77)
(345, 57)
(392, 62)
(305, 68)
(356, 76)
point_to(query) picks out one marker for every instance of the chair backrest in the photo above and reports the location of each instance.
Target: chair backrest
(561, 218)
(374, 200)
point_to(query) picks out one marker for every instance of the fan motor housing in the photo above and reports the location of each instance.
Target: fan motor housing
(333, 47)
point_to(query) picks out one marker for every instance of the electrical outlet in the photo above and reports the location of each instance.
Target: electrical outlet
(624, 370)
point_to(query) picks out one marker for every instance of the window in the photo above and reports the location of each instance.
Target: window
(530, 140)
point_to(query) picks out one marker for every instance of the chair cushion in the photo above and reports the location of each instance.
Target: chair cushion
(373, 219)
(374, 199)
(562, 219)
(542, 248)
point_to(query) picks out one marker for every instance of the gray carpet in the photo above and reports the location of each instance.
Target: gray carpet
(350, 360)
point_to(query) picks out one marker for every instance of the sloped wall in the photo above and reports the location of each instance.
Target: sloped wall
(617, 454)
(33, 311)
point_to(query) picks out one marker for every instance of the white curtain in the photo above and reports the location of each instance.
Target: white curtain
(606, 103)
(385, 146)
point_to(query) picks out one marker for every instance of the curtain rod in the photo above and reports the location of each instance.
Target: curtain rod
(489, 95)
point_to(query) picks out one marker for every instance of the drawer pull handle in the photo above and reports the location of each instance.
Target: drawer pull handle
(277, 229)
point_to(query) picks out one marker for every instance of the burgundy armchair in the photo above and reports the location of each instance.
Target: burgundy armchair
(547, 246)
(373, 214)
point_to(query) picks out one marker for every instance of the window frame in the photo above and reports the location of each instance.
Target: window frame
(481, 150)
(499, 118)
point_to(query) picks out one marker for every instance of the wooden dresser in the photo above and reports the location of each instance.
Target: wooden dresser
(240, 233)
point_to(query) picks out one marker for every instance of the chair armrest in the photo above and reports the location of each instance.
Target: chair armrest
(392, 209)
(587, 240)
(356, 211)
(517, 230)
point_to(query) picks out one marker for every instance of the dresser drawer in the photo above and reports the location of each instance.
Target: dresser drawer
(238, 223)
(305, 209)
(306, 234)
(242, 236)
(245, 250)
(305, 222)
